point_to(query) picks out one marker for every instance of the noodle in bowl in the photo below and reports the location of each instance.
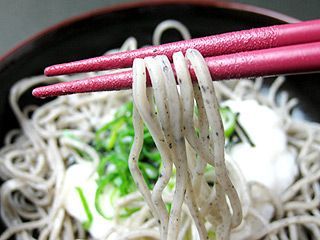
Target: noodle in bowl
(214, 179)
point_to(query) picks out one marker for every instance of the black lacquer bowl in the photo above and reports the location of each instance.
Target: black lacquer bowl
(95, 32)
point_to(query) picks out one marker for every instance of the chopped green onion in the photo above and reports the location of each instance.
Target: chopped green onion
(114, 141)
(168, 207)
(211, 235)
(209, 168)
(229, 119)
(242, 132)
(113, 136)
(86, 208)
(98, 194)
(127, 212)
(69, 134)
(233, 130)
(150, 171)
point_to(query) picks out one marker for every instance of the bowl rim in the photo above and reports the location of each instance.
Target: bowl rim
(144, 3)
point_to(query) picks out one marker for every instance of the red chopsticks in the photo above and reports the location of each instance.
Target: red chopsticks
(247, 40)
(289, 48)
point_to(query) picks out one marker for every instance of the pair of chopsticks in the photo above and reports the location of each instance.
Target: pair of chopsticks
(280, 49)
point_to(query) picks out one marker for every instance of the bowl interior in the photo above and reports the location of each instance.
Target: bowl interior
(96, 33)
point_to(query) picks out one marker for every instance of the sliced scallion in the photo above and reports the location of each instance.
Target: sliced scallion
(86, 208)
(229, 119)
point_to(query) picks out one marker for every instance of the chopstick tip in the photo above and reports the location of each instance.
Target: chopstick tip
(49, 71)
(38, 93)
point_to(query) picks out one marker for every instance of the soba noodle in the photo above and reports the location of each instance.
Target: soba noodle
(199, 192)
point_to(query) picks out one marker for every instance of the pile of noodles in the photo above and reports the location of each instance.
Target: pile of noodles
(34, 158)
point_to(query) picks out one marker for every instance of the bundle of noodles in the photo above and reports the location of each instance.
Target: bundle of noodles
(66, 172)
(170, 118)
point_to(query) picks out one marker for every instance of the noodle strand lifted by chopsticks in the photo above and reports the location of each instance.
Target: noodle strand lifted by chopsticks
(168, 112)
